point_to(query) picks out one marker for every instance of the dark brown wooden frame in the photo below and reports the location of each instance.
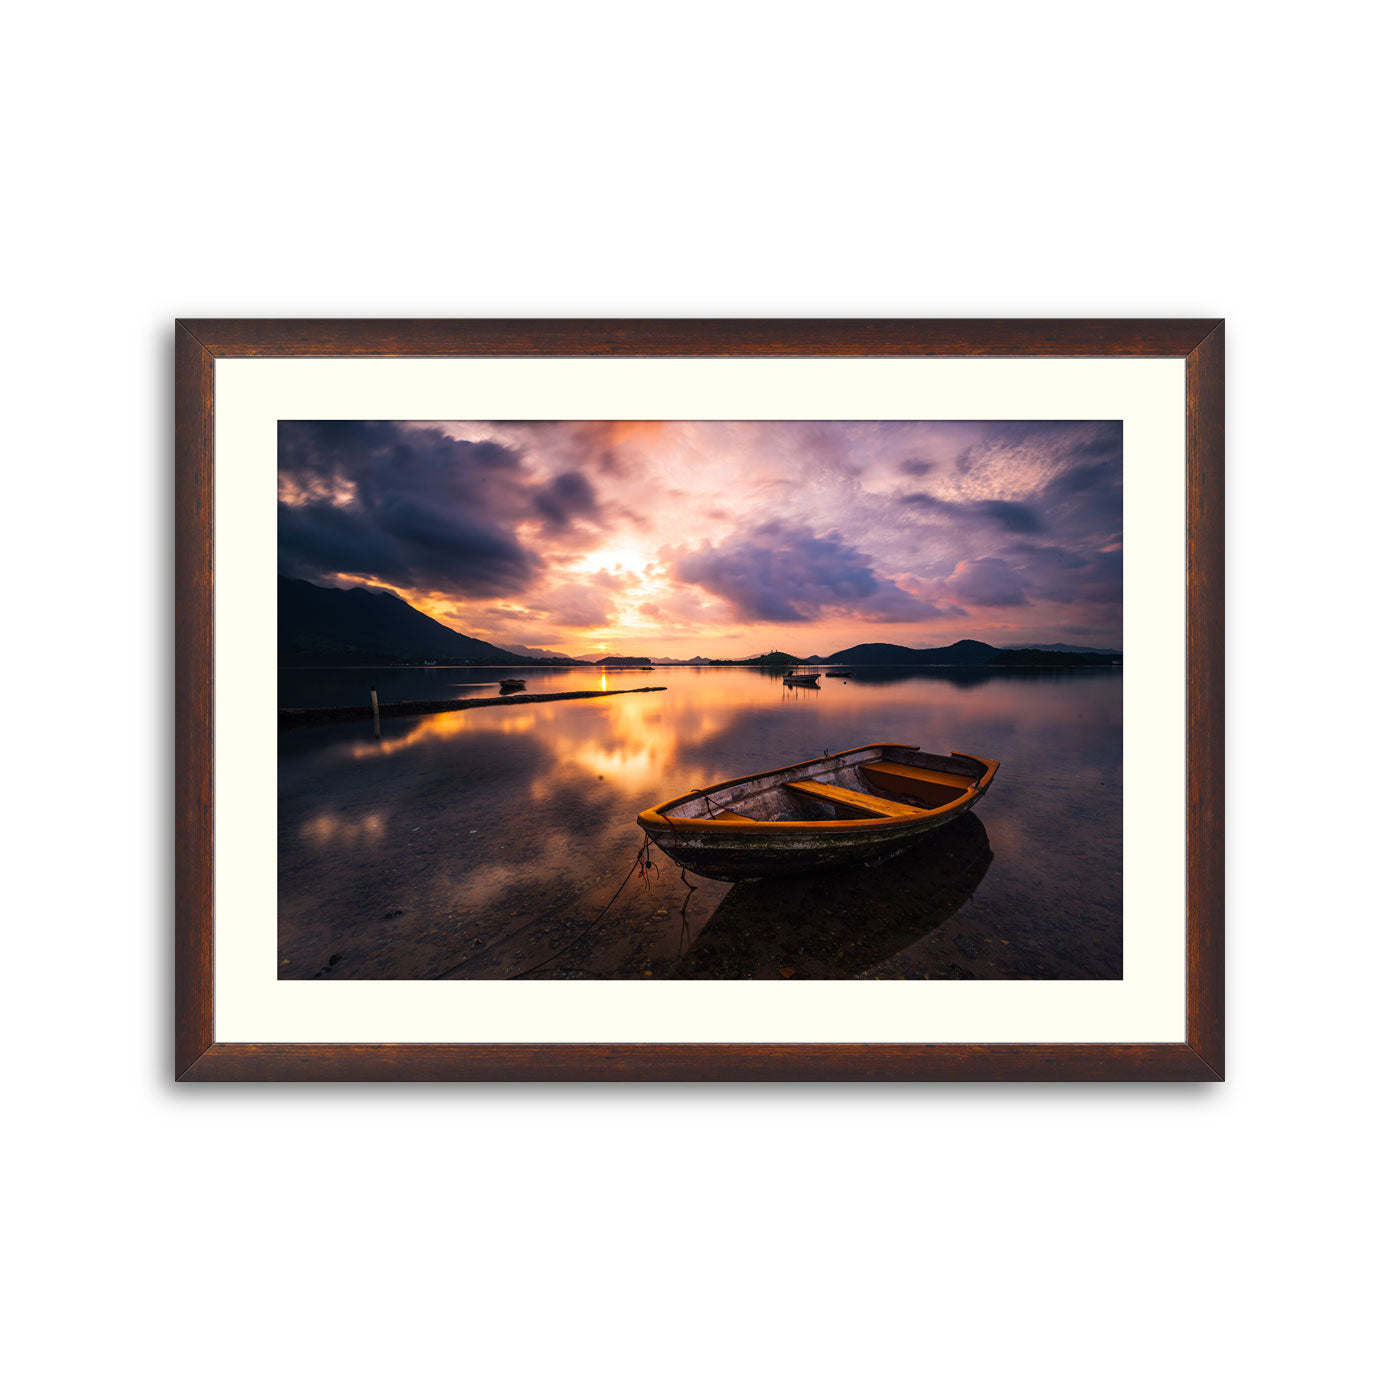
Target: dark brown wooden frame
(1201, 343)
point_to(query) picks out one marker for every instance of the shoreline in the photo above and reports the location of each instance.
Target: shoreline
(392, 709)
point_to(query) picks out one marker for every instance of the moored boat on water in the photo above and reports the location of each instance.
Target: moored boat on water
(804, 678)
(842, 674)
(860, 805)
(510, 685)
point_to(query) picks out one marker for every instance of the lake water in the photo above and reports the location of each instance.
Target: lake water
(482, 843)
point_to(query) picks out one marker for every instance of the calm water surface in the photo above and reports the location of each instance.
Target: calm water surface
(481, 843)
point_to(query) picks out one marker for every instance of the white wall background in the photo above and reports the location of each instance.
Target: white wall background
(737, 159)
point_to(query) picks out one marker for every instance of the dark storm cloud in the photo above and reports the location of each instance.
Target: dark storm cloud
(407, 545)
(1083, 501)
(1068, 576)
(1076, 501)
(412, 507)
(1086, 478)
(1014, 516)
(913, 467)
(568, 497)
(1031, 574)
(781, 573)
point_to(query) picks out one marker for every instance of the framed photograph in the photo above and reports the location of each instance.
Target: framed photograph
(700, 700)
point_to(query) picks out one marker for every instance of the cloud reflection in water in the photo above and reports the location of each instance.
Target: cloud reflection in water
(514, 825)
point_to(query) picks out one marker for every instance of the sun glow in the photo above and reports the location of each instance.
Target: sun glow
(614, 559)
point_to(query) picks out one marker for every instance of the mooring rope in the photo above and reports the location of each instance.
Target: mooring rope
(690, 889)
(640, 866)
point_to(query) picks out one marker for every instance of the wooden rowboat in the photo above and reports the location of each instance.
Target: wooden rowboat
(860, 805)
(792, 678)
(512, 684)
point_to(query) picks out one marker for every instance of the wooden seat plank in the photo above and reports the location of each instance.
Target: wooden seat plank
(919, 775)
(857, 801)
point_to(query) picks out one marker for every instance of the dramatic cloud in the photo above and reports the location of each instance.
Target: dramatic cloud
(988, 583)
(1015, 516)
(567, 498)
(782, 573)
(1064, 576)
(408, 507)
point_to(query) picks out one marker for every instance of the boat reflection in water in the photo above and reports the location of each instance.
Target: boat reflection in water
(845, 922)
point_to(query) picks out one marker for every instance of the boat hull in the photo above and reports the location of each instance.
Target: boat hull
(735, 850)
(719, 859)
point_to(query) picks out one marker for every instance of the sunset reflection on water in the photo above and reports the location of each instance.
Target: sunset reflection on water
(475, 842)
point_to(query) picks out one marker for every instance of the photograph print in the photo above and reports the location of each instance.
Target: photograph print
(700, 700)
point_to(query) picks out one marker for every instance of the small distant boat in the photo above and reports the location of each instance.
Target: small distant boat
(858, 806)
(508, 686)
(842, 674)
(807, 678)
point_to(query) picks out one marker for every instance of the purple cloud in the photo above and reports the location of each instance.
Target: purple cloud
(567, 498)
(782, 573)
(414, 507)
(987, 583)
(1017, 517)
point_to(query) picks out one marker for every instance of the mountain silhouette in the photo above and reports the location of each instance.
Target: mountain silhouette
(352, 626)
(964, 653)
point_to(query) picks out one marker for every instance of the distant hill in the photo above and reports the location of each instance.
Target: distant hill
(1063, 646)
(352, 626)
(769, 658)
(964, 653)
(623, 661)
(970, 653)
(539, 654)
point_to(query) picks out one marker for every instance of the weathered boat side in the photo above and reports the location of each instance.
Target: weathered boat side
(791, 819)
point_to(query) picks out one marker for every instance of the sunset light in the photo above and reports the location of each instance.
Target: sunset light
(717, 539)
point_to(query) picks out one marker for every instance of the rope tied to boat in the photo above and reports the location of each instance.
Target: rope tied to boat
(641, 868)
(641, 865)
(685, 879)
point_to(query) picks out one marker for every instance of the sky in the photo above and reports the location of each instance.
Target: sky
(720, 539)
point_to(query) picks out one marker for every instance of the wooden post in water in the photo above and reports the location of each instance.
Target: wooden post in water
(374, 705)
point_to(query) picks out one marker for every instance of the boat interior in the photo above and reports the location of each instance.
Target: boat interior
(886, 782)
